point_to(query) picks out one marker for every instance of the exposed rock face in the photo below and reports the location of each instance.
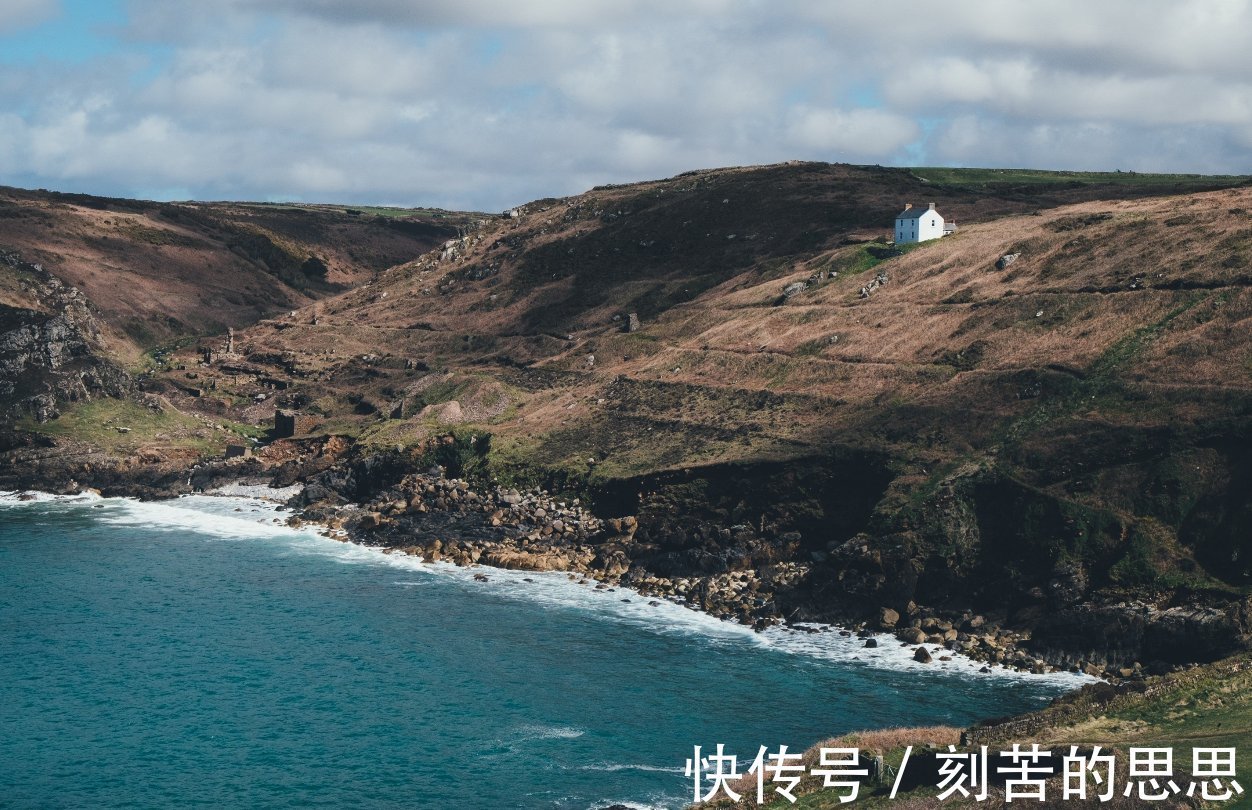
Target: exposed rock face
(1138, 630)
(52, 351)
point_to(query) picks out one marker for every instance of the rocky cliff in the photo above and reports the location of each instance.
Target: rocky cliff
(52, 349)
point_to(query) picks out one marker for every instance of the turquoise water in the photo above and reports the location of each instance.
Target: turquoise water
(167, 655)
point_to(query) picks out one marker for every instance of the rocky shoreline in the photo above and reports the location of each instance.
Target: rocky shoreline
(535, 531)
(734, 564)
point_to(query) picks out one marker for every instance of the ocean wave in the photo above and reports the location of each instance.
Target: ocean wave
(227, 518)
(16, 498)
(897, 656)
(556, 590)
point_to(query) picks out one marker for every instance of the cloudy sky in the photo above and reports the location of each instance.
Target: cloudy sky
(488, 103)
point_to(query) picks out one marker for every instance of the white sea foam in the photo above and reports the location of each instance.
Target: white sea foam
(228, 518)
(556, 590)
(13, 498)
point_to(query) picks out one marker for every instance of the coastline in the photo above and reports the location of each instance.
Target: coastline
(652, 600)
(767, 559)
(533, 531)
(255, 531)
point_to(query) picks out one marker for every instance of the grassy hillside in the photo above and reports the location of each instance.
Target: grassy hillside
(160, 271)
(1128, 180)
(1060, 440)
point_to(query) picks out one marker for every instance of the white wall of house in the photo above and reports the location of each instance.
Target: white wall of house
(918, 225)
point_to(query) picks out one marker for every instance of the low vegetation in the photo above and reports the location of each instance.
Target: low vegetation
(122, 427)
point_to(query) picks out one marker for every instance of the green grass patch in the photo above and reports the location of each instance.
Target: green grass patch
(1208, 706)
(1036, 177)
(1121, 353)
(1101, 390)
(161, 358)
(861, 258)
(121, 426)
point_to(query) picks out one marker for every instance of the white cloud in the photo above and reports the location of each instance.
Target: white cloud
(844, 134)
(486, 103)
(1083, 145)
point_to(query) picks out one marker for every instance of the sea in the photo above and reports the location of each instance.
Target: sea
(199, 652)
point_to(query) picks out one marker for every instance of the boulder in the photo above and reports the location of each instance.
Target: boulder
(922, 656)
(911, 635)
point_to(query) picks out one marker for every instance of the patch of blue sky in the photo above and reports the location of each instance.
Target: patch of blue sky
(863, 95)
(800, 94)
(159, 58)
(916, 153)
(82, 30)
(488, 48)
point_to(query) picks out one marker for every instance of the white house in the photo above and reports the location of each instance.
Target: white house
(918, 224)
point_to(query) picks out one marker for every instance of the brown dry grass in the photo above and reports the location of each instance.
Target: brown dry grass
(1106, 292)
(158, 278)
(876, 742)
(887, 739)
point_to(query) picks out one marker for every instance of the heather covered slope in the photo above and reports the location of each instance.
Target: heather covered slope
(162, 271)
(1060, 440)
(1149, 292)
(1072, 425)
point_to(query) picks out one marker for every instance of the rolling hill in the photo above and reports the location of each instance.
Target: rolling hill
(1059, 440)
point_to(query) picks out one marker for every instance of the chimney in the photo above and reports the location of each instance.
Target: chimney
(907, 206)
(932, 206)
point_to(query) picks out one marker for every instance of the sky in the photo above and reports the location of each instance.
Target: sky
(485, 104)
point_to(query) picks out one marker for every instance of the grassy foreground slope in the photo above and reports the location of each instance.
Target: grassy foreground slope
(1207, 706)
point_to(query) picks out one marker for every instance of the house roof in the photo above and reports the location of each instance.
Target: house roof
(914, 213)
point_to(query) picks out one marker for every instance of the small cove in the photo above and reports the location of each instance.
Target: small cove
(196, 652)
